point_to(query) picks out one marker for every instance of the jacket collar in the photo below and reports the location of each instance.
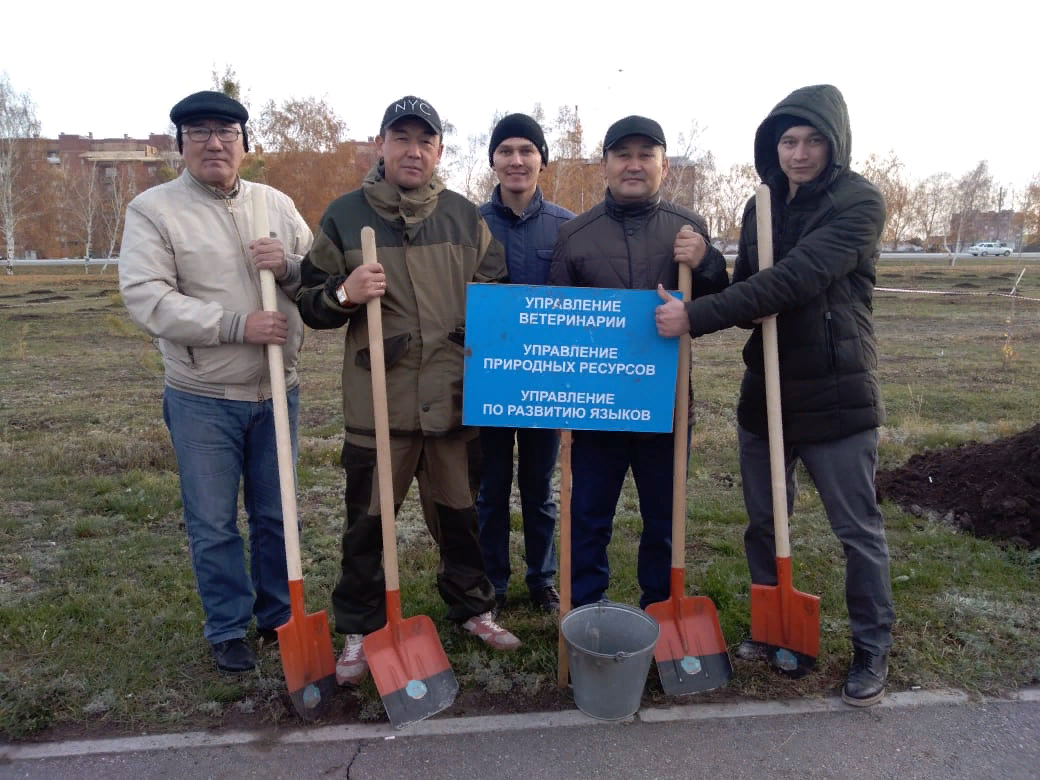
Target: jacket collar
(404, 207)
(214, 191)
(623, 211)
(503, 210)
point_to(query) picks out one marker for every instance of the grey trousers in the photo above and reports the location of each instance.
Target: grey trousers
(843, 472)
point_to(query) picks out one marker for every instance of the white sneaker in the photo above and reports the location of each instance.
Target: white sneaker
(351, 667)
(485, 628)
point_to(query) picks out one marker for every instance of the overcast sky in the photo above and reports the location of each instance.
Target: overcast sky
(942, 85)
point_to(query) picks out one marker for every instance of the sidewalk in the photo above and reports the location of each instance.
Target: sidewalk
(927, 734)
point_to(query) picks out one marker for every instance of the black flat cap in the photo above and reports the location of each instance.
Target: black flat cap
(411, 106)
(208, 105)
(634, 125)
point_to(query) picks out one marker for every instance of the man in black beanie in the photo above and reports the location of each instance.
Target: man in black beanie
(526, 225)
(827, 224)
(189, 275)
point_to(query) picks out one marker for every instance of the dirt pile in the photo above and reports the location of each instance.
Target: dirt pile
(990, 490)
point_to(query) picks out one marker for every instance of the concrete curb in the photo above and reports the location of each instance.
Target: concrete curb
(488, 723)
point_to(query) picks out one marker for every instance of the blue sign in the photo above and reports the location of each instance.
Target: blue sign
(583, 358)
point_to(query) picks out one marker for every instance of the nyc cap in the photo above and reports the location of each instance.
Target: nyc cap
(411, 106)
(633, 125)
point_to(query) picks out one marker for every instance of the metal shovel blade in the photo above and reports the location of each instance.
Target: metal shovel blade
(410, 668)
(691, 651)
(787, 621)
(308, 661)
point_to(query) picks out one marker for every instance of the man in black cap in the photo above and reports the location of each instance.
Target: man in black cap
(827, 224)
(189, 275)
(631, 240)
(431, 243)
(526, 225)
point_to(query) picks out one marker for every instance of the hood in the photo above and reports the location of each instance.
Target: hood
(823, 107)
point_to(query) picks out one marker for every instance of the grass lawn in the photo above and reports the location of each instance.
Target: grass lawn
(101, 627)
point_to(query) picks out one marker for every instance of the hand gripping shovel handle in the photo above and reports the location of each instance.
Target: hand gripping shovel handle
(777, 470)
(286, 481)
(382, 425)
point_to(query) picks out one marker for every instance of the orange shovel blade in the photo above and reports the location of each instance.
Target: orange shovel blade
(410, 669)
(691, 650)
(307, 658)
(786, 620)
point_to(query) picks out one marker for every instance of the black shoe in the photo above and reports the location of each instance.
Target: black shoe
(750, 650)
(269, 635)
(234, 655)
(546, 600)
(865, 684)
(500, 604)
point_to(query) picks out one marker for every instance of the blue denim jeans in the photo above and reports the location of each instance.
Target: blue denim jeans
(536, 458)
(220, 444)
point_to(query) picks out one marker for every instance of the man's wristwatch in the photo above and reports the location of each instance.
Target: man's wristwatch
(341, 296)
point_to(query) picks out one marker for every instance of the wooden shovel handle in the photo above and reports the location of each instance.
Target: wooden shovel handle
(565, 553)
(681, 427)
(382, 420)
(771, 352)
(276, 367)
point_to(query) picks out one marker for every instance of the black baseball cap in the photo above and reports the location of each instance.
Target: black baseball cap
(633, 125)
(411, 106)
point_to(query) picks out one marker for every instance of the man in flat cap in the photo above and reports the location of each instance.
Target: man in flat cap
(189, 273)
(631, 240)
(526, 224)
(431, 242)
(827, 225)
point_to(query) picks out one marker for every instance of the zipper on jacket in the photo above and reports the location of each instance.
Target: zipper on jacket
(831, 346)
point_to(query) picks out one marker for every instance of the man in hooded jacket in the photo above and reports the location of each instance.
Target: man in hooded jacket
(827, 224)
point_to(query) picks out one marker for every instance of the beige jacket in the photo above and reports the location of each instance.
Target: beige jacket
(186, 277)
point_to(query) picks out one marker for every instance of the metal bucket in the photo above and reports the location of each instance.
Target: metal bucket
(609, 649)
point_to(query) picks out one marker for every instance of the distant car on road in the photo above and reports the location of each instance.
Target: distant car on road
(986, 248)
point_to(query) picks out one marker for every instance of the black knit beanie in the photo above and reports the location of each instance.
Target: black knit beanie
(784, 122)
(518, 126)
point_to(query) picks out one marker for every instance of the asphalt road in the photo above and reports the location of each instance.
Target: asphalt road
(925, 736)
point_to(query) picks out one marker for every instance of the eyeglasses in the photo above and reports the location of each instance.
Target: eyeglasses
(200, 135)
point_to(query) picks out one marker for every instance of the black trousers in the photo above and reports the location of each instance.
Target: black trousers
(447, 470)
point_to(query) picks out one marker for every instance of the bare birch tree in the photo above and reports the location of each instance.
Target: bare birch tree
(974, 192)
(933, 206)
(117, 192)
(17, 122)
(84, 204)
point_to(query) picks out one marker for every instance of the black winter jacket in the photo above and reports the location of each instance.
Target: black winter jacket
(826, 245)
(631, 247)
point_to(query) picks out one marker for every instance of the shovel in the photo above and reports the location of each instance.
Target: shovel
(408, 663)
(306, 645)
(691, 651)
(784, 619)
